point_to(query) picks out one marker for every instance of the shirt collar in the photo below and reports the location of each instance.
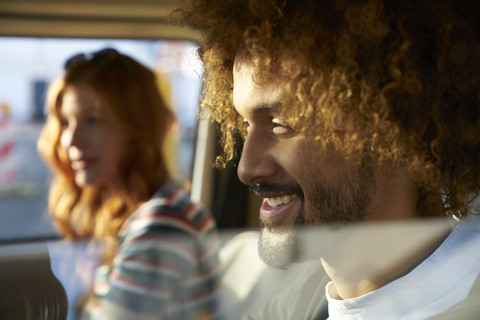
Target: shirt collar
(439, 282)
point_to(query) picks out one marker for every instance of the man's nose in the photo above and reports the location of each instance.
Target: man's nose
(257, 162)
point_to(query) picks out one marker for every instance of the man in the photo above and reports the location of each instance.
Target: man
(353, 111)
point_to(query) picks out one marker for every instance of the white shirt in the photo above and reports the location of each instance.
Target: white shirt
(438, 283)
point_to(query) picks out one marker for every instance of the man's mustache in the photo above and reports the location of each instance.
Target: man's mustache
(266, 188)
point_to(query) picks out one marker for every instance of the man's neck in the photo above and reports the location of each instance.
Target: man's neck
(379, 253)
(389, 244)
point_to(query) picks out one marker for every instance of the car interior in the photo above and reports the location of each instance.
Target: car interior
(43, 276)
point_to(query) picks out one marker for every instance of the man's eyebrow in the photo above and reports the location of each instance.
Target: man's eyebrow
(265, 107)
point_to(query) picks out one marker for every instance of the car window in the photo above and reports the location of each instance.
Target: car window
(28, 66)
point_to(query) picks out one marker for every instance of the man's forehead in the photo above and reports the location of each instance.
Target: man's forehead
(267, 108)
(250, 96)
(264, 74)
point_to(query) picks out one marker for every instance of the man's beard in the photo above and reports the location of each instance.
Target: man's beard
(345, 198)
(278, 247)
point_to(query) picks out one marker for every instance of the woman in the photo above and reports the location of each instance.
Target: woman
(103, 140)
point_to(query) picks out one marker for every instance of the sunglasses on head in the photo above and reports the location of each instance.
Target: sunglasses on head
(100, 59)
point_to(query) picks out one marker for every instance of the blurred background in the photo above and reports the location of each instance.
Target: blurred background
(28, 65)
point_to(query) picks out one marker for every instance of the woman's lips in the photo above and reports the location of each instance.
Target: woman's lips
(82, 164)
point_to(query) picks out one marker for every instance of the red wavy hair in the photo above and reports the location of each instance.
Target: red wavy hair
(131, 91)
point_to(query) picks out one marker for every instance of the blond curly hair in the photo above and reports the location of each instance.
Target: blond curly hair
(399, 79)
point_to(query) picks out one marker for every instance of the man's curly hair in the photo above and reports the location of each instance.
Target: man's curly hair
(400, 79)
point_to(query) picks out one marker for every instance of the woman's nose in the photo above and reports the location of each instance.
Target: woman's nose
(71, 136)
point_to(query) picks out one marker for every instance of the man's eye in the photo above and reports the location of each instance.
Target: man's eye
(280, 128)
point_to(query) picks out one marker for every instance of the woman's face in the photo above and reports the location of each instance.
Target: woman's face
(93, 138)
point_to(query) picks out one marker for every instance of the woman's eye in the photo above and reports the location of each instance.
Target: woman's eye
(63, 123)
(92, 120)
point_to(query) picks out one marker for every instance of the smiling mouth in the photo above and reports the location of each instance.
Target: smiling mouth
(278, 208)
(277, 201)
(81, 164)
(280, 201)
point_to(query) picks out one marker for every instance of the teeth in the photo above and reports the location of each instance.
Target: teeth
(271, 202)
(274, 202)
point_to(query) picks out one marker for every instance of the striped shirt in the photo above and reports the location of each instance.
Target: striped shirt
(167, 264)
